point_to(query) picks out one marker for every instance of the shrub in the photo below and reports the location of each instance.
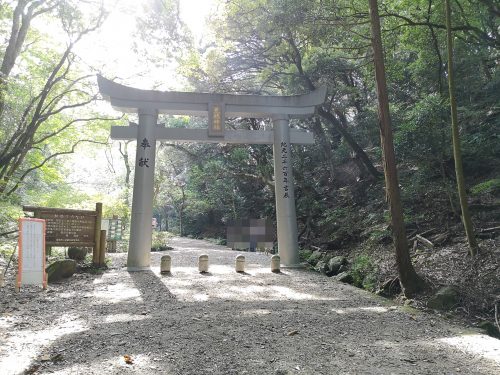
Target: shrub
(364, 272)
(304, 255)
(487, 187)
(159, 240)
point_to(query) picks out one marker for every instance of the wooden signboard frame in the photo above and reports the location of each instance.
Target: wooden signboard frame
(31, 248)
(67, 227)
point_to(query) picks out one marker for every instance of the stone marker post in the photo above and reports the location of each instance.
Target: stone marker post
(139, 251)
(203, 263)
(240, 263)
(275, 264)
(165, 264)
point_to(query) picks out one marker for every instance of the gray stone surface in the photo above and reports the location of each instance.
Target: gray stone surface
(444, 299)
(61, 269)
(344, 277)
(335, 263)
(321, 266)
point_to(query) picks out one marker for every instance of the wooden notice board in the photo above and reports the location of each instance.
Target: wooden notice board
(31, 265)
(67, 227)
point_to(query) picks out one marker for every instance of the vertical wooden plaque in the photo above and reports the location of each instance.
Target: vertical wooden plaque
(31, 264)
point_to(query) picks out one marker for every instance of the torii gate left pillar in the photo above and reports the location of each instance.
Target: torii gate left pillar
(148, 103)
(139, 254)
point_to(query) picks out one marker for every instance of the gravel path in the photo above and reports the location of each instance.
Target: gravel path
(297, 322)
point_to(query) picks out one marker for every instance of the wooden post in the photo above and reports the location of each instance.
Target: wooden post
(48, 249)
(97, 236)
(102, 248)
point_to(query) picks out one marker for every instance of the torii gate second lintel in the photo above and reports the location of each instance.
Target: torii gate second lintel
(149, 103)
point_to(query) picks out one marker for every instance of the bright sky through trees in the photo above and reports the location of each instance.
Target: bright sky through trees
(113, 47)
(112, 50)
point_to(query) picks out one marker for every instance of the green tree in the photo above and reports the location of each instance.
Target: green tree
(411, 283)
(457, 154)
(46, 101)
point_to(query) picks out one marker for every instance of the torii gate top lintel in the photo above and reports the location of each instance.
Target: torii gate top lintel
(129, 99)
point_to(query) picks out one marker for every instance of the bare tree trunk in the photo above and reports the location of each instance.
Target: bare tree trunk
(457, 153)
(128, 169)
(411, 283)
(181, 211)
(128, 172)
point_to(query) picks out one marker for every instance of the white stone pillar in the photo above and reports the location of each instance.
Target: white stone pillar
(139, 251)
(288, 248)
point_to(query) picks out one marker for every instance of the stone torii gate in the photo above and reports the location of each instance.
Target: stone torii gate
(149, 103)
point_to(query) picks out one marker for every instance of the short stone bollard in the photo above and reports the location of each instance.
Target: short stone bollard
(166, 264)
(275, 263)
(240, 263)
(203, 263)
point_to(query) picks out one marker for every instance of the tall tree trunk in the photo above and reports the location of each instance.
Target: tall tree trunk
(457, 153)
(128, 172)
(411, 283)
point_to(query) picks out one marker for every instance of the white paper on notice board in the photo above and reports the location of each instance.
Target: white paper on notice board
(31, 252)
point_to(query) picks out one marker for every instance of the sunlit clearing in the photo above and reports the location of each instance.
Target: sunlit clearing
(67, 295)
(350, 310)
(138, 363)
(200, 297)
(486, 346)
(117, 293)
(281, 292)
(256, 312)
(214, 286)
(25, 346)
(115, 318)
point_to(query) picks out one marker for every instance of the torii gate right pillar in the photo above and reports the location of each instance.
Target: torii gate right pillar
(286, 218)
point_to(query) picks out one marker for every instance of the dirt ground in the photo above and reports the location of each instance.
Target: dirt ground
(296, 322)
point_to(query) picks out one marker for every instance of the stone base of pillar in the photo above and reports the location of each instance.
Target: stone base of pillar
(295, 266)
(138, 269)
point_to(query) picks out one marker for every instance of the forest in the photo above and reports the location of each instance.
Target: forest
(404, 175)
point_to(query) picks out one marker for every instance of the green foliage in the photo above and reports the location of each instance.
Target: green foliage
(9, 213)
(111, 207)
(56, 194)
(332, 216)
(380, 235)
(487, 187)
(160, 240)
(304, 255)
(423, 138)
(364, 272)
(57, 253)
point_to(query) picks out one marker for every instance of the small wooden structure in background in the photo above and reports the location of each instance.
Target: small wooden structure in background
(114, 228)
(67, 227)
